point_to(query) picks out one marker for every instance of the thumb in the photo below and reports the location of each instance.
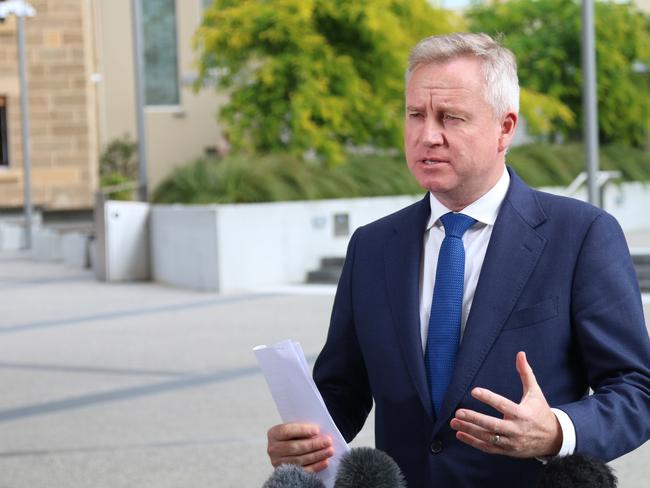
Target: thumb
(528, 380)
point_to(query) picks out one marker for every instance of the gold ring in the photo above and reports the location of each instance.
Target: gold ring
(496, 438)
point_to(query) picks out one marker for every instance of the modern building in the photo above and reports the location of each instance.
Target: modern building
(80, 71)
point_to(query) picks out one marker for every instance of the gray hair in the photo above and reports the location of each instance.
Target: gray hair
(498, 63)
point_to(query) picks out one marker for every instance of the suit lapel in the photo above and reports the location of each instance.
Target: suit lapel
(512, 254)
(402, 256)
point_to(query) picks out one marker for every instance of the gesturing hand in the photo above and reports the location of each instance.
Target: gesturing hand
(527, 429)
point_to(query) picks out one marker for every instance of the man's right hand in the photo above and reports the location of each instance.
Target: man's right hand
(300, 444)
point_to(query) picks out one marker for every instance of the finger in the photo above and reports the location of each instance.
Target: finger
(479, 444)
(498, 402)
(288, 431)
(309, 459)
(279, 450)
(486, 422)
(528, 380)
(479, 433)
(316, 467)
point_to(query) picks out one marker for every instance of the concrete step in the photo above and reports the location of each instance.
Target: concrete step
(642, 265)
(329, 271)
(332, 262)
(330, 276)
(641, 259)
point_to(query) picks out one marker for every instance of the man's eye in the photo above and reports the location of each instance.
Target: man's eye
(451, 117)
(415, 115)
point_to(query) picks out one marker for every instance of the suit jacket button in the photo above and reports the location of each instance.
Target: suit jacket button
(435, 447)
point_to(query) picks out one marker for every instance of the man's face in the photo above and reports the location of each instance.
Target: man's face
(454, 144)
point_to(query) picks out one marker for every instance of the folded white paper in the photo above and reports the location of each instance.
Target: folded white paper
(298, 400)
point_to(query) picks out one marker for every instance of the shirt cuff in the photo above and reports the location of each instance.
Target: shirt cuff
(568, 432)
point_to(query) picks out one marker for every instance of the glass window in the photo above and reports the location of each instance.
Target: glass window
(160, 52)
(4, 149)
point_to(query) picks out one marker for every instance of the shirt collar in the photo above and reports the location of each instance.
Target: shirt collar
(484, 210)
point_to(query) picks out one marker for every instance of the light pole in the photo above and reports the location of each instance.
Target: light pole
(138, 58)
(589, 100)
(21, 10)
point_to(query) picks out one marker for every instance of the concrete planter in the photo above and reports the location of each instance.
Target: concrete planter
(75, 250)
(46, 245)
(12, 236)
(251, 246)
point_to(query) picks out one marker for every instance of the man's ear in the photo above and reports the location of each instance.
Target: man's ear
(508, 126)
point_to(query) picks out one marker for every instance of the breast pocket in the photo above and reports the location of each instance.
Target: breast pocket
(531, 315)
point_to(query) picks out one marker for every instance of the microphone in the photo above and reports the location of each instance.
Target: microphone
(576, 471)
(292, 476)
(365, 467)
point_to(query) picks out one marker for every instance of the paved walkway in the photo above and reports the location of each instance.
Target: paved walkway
(125, 385)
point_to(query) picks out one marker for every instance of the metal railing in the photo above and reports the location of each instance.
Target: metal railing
(603, 178)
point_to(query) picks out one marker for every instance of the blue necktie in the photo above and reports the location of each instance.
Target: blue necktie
(446, 307)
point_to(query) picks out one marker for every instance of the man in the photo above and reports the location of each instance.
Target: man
(445, 308)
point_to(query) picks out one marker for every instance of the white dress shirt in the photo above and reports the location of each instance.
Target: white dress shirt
(476, 239)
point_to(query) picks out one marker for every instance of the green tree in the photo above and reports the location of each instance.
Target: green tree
(314, 75)
(545, 37)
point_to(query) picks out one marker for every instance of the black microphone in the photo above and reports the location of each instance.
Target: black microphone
(365, 467)
(292, 476)
(576, 471)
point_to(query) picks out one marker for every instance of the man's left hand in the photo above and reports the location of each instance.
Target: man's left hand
(528, 429)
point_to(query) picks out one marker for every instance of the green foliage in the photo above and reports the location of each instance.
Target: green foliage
(313, 76)
(120, 156)
(543, 112)
(558, 165)
(110, 180)
(242, 179)
(118, 167)
(545, 37)
(246, 179)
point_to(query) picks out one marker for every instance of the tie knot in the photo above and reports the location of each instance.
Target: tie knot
(456, 224)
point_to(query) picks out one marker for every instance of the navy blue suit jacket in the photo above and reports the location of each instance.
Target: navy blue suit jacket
(557, 282)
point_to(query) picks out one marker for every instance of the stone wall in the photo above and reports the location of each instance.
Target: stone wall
(62, 112)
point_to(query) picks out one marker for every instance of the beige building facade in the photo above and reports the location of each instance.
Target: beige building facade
(80, 71)
(63, 130)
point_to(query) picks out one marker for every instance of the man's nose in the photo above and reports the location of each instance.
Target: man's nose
(432, 134)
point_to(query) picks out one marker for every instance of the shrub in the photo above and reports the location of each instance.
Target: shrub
(280, 177)
(240, 179)
(559, 164)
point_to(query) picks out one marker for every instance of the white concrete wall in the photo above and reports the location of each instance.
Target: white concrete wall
(123, 232)
(12, 236)
(242, 247)
(75, 249)
(184, 249)
(628, 202)
(229, 248)
(46, 245)
(278, 243)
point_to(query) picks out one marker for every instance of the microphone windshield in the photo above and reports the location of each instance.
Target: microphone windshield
(576, 471)
(292, 476)
(365, 467)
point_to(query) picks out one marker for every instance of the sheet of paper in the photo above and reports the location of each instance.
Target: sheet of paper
(298, 400)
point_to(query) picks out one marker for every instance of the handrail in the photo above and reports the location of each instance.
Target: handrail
(602, 178)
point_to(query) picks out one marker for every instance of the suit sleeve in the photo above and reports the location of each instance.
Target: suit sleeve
(340, 372)
(609, 327)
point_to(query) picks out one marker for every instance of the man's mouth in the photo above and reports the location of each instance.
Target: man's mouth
(431, 162)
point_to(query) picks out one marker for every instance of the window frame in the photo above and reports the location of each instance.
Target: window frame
(165, 107)
(4, 132)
